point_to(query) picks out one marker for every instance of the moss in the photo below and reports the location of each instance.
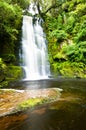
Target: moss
(4, 84)
(11, 73)
(70, 69)
(32, 102)
(14, 72)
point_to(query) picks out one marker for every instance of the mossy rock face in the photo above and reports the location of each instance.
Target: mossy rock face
(2, 76)
(12, 73)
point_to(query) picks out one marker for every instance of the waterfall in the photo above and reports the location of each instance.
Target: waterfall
(34, 50)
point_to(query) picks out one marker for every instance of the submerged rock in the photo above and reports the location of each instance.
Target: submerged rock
(12, 100)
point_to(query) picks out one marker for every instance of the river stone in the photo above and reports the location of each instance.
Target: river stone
(10, 99)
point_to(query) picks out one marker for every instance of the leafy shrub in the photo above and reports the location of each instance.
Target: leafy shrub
(76, 52)
(9, 58)
(3, 69)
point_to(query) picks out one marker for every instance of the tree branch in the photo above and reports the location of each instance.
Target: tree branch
(42, 14)
(52, 6)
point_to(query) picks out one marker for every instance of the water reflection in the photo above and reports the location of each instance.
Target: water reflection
(50, 83)
(72, 117)
(69, 113)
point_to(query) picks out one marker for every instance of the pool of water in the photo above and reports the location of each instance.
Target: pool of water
(69, 113)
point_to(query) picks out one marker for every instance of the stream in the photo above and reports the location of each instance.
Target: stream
(68, 113)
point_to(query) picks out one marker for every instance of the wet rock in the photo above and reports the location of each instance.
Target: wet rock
(12, 100)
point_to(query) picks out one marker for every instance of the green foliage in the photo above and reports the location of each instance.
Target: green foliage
(66, 34)
(10, 26)
(70, 24)
(2, 65)
(32, 102)
(14, 73)
(76, 52)
(21, 3)
(70, 69)
(9, 58)
(4, 84)
(9, 73)
(81, 36)
(3, 69)
(10, 17)
(81, 9)
(60, 35)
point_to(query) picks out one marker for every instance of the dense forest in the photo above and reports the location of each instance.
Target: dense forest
(10, 36)
(66, 32)
(65, 28)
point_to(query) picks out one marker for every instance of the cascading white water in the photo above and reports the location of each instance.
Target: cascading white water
(34, 50)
